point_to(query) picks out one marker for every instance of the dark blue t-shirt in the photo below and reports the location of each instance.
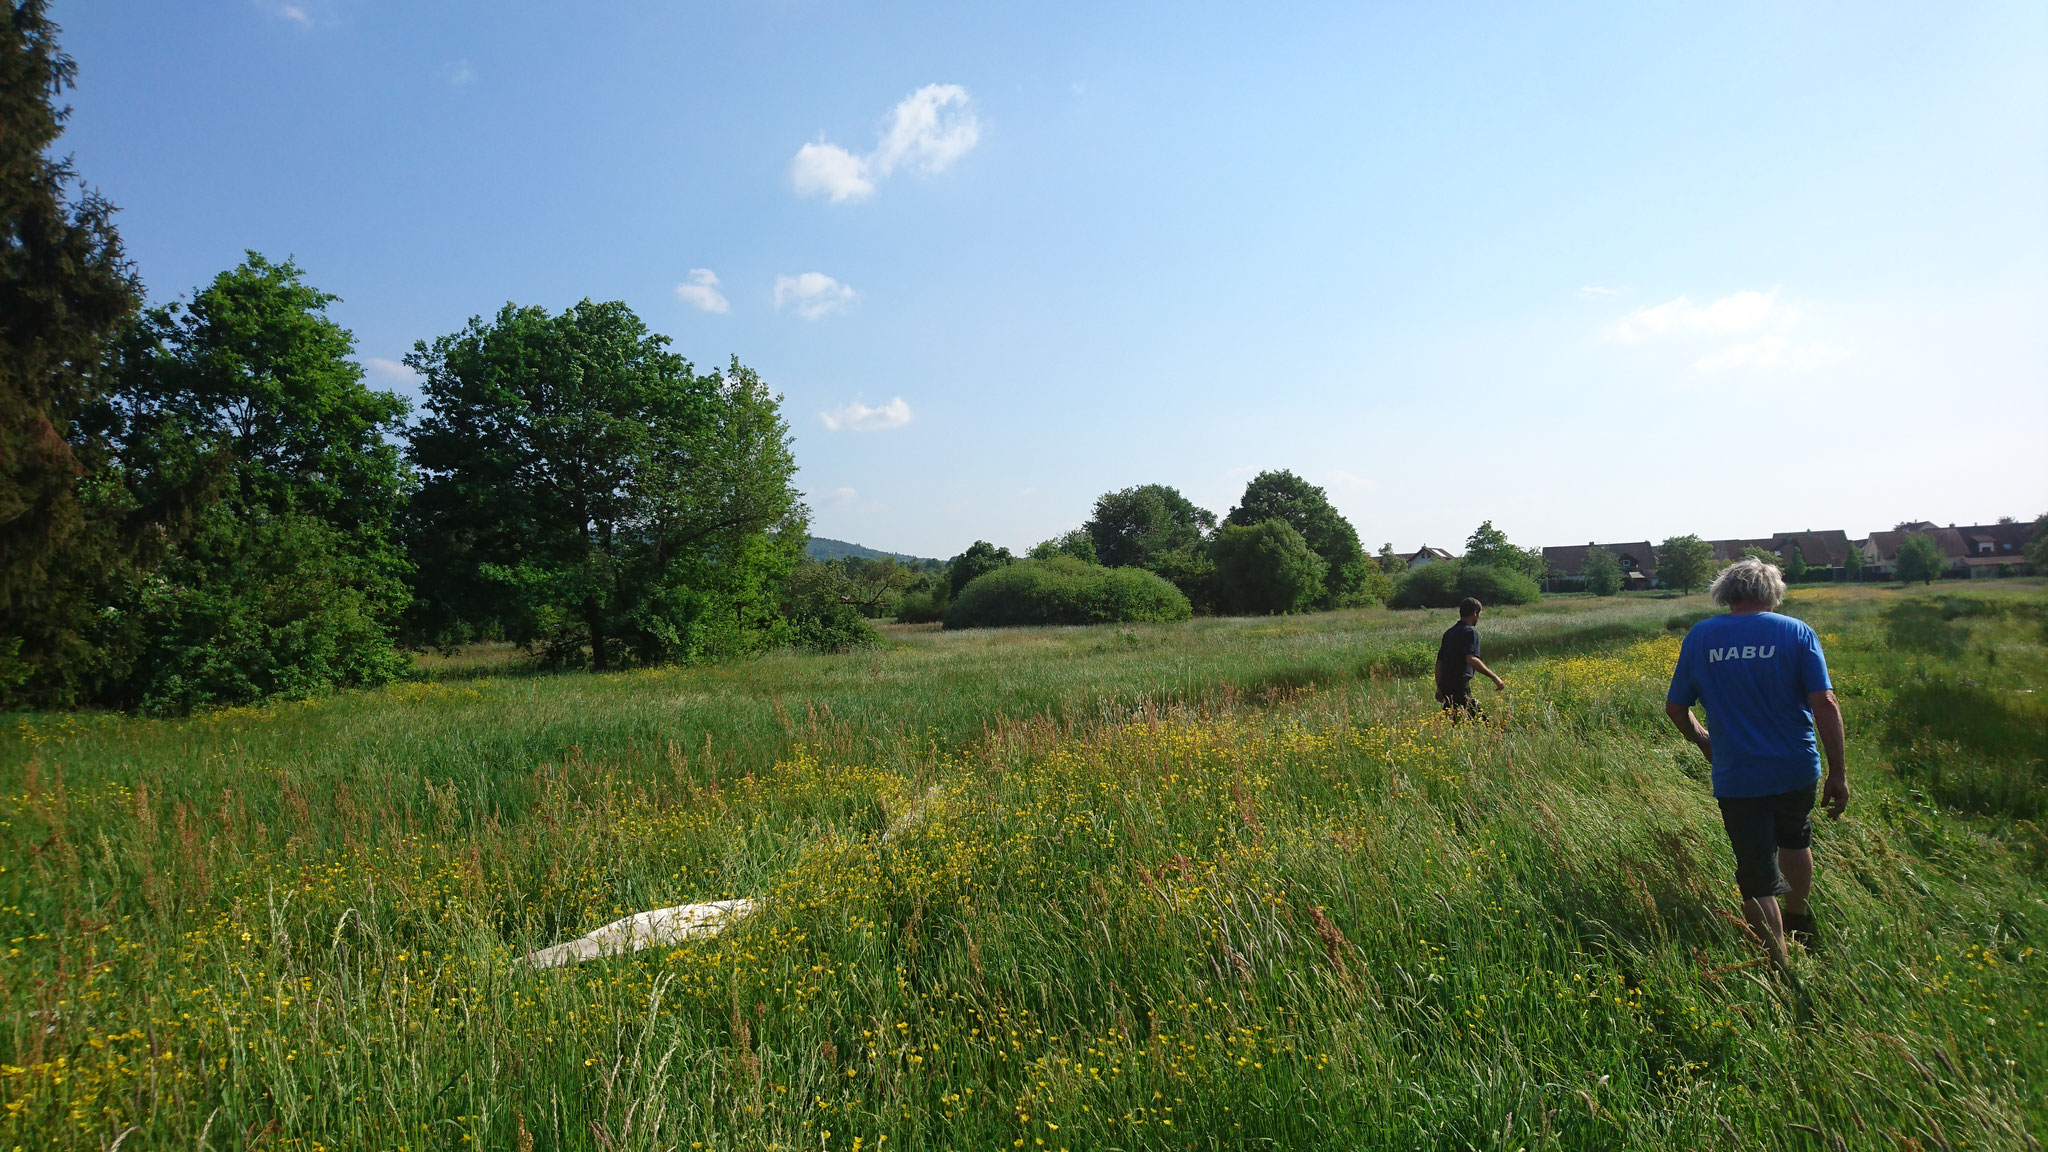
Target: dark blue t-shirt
(1452, 672)
(1754, 673)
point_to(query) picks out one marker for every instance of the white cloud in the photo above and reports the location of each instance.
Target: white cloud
(1351, 481)
(931, 129)
(823, 169)
(813, 293)
(928, 132)
(1771, 352)
(1594, 291)
(304, 13)
(842, 496)
(388, 371)
(859, 417)
(1741, 312)
(701, 292)
(1765, 320)
(460, 74)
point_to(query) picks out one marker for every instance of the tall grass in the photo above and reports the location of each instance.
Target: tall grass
(1221, 884)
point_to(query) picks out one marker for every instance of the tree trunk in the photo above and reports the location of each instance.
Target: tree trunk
(597, 652)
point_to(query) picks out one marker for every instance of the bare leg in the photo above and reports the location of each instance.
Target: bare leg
(1797, 866)
(1764, 920)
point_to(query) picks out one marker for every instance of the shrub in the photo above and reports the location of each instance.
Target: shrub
(1602, 572)
(822, 611)
(1497, 586)
(1433, 585)
(923, 605)
(833, 628)
(1407, 661)
(1064, 590)
(1191, 571)
(1369, 585)
(258, 608)
(1444, 583)
(1919, 558)
(1265, 569)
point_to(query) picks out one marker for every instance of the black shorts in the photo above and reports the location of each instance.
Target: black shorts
(1760, 825)
(1457, 698)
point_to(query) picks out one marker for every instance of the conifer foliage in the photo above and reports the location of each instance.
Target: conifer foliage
(66, 291)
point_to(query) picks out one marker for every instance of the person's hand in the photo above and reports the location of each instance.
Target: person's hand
(1835, 795)
(1499, 685)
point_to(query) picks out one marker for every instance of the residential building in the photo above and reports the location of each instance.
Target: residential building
(1974, 551)
(1566, 565)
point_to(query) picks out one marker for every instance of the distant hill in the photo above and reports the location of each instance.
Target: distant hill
(824, 548)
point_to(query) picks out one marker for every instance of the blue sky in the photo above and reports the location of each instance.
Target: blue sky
(1587, 271)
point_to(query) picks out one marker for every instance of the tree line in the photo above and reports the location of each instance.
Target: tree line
(203, 502)
(1149, 553)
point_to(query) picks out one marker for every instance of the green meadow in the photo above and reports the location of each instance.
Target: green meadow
(1229, 883)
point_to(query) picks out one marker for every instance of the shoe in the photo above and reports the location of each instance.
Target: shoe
(1799, 926)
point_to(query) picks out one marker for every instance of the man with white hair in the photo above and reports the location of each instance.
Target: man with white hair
(1765, 685)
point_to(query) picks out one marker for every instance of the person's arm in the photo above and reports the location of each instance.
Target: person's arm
(1479, 666)
(1689, 727)
(1827, 720)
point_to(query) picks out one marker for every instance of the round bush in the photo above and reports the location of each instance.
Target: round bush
(925, 607)
(1433, 585)
(1064, 590)
(1497, 586)
(1444, 583)
(1265, 569)
(838, 628)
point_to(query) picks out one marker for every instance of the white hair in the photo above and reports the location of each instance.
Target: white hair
(1748, 581)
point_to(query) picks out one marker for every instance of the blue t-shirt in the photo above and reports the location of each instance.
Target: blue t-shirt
(1754, 673)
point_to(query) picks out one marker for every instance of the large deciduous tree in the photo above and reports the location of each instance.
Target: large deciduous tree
(1136, 527)
(980, 559)
(586, 488)
(1348, 573)
(1265, 569)
(245, 409)
(1489, 547)
(66, 294)
(1684, 562)
(1153, 526)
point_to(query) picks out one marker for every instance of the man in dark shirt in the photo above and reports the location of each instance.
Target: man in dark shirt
(1457, 658)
